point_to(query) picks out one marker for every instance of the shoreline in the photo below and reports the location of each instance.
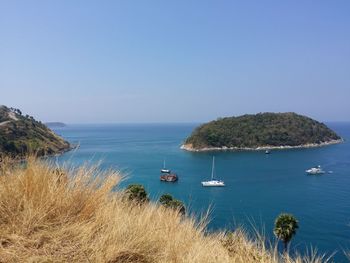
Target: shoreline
(260, 148)
(55, 154)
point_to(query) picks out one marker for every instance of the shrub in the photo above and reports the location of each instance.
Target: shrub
(136, 192)
(168, 201)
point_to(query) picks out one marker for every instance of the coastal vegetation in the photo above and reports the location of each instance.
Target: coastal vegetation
(260, 130)
(52, 214)
(137, 193)
(170, 202)
(286, 226)
(22, 134)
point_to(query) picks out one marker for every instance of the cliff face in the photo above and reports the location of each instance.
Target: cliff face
(20, 135)
(263, 130)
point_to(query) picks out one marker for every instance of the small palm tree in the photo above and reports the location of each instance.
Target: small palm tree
(286, 226)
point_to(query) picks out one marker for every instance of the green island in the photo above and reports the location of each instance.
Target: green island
(55, 124)
(22, 134)
(259, 132)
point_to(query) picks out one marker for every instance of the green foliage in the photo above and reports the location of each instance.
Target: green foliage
(165, 199)
(4, 113)
(286, 226)
(263, 129)
(23, 134)
(137, 193)
(168, 201)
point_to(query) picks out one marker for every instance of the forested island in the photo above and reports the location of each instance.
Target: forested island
(22, 134)
(260, 131)
(55, 124)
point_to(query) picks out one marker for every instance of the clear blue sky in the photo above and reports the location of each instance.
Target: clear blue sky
(174, 61)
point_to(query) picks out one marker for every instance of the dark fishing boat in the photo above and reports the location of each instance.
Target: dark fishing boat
(168, 177)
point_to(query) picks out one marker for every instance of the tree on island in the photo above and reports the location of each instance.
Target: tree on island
(137, 193)
(168, 201)
(286, 226)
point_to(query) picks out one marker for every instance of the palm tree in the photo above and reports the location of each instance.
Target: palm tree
(286, 226)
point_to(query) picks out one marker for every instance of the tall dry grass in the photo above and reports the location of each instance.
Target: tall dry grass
(51, 215)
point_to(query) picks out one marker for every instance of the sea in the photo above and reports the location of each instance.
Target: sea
(258, 187)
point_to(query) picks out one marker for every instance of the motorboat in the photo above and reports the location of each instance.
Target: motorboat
(315, 170)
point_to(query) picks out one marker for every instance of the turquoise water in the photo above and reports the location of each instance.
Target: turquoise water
(259, 186)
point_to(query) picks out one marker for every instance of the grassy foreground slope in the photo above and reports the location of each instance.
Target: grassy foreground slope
(22, 134)
(49, 215)
(261, 130)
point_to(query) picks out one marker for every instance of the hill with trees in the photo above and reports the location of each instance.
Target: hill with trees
(22, 134)
(260, 131)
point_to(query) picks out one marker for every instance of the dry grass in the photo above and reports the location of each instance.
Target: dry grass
(47, 215)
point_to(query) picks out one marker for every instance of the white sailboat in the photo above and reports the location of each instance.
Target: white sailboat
(213, 182)
(164, 170)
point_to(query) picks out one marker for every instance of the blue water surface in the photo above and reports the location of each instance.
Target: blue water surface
(258, 186)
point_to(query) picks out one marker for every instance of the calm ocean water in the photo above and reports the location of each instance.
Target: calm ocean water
(259, 186)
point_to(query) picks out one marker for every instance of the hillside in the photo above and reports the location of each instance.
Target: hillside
(52, 215)
(263, 130)
(20, 135)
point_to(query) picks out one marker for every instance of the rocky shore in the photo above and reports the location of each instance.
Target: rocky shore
(189, 147)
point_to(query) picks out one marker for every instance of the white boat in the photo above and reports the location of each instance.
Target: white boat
(315, 170)
(213, 182)
(164, 170)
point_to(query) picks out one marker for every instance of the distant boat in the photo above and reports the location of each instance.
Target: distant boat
(168, 177)
(213, 182)
(315, 170)
(267, 152)
(164, 170)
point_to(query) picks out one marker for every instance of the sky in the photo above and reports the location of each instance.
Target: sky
(174, 61)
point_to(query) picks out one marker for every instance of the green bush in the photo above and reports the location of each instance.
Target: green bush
(168, 201)
(137, 193)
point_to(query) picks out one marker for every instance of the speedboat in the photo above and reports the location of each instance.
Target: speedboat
(315, 170)
(213, 182)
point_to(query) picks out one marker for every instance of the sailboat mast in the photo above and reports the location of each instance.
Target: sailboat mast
(163, 164)
(212, 169)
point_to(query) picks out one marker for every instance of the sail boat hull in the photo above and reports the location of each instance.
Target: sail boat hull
(213, 183)
(164, 170)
